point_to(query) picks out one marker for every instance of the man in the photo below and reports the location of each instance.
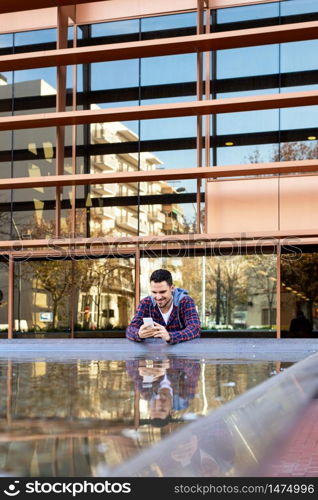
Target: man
(300, 326)
(168, 385)
(173, 312)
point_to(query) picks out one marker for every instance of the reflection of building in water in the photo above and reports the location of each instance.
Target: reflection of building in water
(99, 305)
(50, 427)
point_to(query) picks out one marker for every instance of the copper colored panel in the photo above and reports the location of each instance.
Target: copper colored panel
(298, 202)
(90, 11)
(23, 5)
(242, 205)
(30, 20)
(116, 9)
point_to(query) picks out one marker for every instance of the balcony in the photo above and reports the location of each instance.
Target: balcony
(101, 165)
(167, 209)
(128, 222)
(143, 227)
(103, 190)
(156, 216)
(173, 226)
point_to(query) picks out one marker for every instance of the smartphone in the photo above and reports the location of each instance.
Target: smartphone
(148, 321)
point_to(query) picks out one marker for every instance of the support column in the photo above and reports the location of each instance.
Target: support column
(278, 294)
(200, 30)
(74, 295)
(11, 298)
(137, 277)
(63, 14)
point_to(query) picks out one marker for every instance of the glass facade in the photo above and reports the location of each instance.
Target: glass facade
(99, 171)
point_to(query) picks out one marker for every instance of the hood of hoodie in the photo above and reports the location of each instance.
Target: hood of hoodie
(178, 294)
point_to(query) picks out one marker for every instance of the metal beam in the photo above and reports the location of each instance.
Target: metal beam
(161, 47)
(97, 246)
(285, 167)
(171, 110)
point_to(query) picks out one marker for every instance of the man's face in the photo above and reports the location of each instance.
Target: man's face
(162, 293)
(160, 406)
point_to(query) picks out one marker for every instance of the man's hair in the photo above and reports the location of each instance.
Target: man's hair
(160, 422)
(161, 275)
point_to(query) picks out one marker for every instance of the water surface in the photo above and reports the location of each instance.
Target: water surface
(86, 417)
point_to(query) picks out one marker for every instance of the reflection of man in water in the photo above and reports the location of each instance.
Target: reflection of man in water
(300, 326)
(168, 385)
(200, 453)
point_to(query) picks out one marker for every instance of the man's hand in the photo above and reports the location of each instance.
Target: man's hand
(146, 331)
(160, 331)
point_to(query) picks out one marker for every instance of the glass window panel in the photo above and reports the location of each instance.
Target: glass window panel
(115, 104)
(168, 22)
(36, 36)
(46, 291)
(298, 7)
(104, 297)
(299, 56)
(6, 94)
(240, 292)
(70, 79)
(302, 88)
(248, 61)
(5, 215)
(176, 159)
(235, 292)
(36, 222)
(166, 100)
(81, 216)
(300, 117)
(44, 82)
(115, 28)
(300, 150)
(34, 90)
(34, 150)
(79, 79)
(248, 121)
(170, 219)
(115, 74)
(166, 128)
(4, 280)
(249, 12)
(70, 33)
(299, 297)
(246, 93)
(5, 154)
(256, 153)
(6, 43)
(168, 69)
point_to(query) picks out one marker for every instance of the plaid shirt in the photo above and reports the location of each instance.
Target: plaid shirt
(183, 374)
(183, 324)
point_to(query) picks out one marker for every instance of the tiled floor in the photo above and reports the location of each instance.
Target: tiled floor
(299, 455)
